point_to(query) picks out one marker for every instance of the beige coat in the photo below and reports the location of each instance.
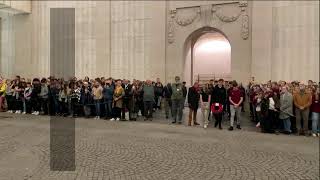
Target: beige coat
(118, 93)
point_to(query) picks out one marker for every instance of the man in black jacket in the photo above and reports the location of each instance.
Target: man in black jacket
(219, 95)
(167, 101)
(158, 93)
(35, 99)
(193, 101)
(184, 91)
(127, 99)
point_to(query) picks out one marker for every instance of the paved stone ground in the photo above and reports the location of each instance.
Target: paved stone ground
(154, 151)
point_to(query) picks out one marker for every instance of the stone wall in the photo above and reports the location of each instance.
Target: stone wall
(121, 39)
(146, 39)
(285, 40)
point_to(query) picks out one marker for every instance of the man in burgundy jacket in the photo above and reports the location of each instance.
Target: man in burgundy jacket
(235, 98)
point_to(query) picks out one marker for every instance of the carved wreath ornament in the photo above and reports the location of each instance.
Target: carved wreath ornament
(218, 11)
(186, 16)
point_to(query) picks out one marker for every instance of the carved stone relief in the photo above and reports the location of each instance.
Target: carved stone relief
(218, 11)
(205, 14)
(245, 27)
(186, 16)
(171, 27)
(214, 14)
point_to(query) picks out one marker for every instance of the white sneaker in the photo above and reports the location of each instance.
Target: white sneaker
(118, 119)
(23, 112)
(98, 117)
(205, 126)
(10, 111)
(36, 113)
(18, 112)
(112, 119)
(314, 134)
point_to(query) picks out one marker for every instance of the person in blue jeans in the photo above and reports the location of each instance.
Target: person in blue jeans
(97, 97)
(108, 90)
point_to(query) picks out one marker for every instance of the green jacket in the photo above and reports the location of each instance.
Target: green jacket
(177, 91)
(148, 93)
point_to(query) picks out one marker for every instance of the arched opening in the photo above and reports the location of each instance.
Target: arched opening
(207, 56)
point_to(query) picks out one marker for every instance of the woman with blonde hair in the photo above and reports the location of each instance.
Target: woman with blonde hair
(117, 100)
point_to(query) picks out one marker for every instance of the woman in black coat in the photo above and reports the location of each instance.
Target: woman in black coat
(193, 101)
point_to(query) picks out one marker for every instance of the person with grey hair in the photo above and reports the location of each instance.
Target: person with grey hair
(177, 99)
(286, 105)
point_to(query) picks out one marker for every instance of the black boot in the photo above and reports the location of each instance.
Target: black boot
(230, 128)
(215, 124)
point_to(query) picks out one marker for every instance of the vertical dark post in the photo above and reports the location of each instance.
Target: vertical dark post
(62, 65)
(192, 46)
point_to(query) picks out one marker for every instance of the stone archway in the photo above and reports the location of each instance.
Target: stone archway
(197, 65)
(229, 18)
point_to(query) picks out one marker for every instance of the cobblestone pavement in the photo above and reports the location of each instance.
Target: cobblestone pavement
(154, 151)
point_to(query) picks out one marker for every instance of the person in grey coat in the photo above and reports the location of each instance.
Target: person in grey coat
(286, 105)
(148, 99)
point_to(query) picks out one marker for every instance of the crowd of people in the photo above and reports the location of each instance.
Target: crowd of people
(286, 106)
(274, 106)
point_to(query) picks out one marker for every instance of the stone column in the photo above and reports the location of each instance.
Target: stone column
(295, 46)
(7, 45)
(129, 53)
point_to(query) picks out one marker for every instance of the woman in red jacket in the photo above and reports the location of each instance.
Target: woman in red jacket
(315, 113)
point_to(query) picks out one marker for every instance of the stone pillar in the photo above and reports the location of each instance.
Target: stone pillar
(295, 45)
(261, 40)
(285, 40)
(129, 50)
(7, 45)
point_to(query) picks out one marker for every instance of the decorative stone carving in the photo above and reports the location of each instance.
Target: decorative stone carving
(245, 27)
(243, 5)
(186, 16)
(205, 15)
(210, 15)
(218, 11)
(171, 27)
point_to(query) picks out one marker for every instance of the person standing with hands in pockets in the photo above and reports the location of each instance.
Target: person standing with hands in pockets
(235, 98)
(177, 99)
